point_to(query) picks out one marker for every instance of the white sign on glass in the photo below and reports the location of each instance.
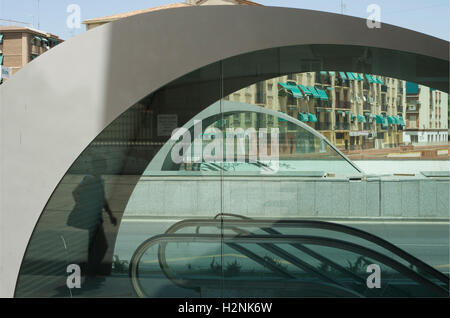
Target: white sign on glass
(167, 124)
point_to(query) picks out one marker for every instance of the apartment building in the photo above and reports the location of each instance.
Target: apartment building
(354, 111)
(426, 115)
(20, 45)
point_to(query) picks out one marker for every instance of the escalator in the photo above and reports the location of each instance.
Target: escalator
(235, 256)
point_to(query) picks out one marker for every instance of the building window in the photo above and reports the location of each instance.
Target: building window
(260, 93)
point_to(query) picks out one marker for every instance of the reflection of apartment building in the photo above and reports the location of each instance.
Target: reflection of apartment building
(20, 45)
(354, 111)
(426, 115)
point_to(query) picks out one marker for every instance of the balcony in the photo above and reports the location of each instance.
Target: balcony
(327, 80)
(323, 126)
(323, 103)
(342, 126)
(343, 105)
(323, 78)
(340, 82)
(366, 106)
(414, 108)
(384, 108)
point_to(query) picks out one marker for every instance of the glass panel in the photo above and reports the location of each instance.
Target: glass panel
(229, 183)
(111, 201)
(388, 215)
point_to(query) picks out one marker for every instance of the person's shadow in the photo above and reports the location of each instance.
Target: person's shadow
(90, 202)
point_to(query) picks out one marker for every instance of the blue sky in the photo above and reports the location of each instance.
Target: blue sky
(427, 16)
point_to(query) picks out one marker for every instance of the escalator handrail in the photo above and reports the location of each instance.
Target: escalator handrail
(310, 252)
(163, 239)
(320, 225)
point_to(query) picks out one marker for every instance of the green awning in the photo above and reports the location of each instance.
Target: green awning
(343, 76)
(296, 92)
(44, 40)
(400, 120)
(352, 116)
(303, 117)
(339, 112)
(378, 81)
(361, 119)
(370, 79)
(352, 76)
(347, 112)
(305, 90)
(1, 37)
(391, 120)
(360, 77)
(1, 59)
(323, 73)
(381, 120)
(312, 118)
(330, 88)
(37, 38)
(293, 89)
(314, 92)
(328, 110)
(33, 56)
(331, 73)
(322, 94)
(284, 85)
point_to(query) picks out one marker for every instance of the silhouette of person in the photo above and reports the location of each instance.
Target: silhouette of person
(90, 199)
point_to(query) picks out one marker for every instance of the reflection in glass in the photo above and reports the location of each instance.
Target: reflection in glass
(145, 210)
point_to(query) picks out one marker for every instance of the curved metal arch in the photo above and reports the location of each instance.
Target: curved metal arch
(76, 89)
(227, 107)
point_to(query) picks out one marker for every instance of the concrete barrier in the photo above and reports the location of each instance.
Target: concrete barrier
(269, 196)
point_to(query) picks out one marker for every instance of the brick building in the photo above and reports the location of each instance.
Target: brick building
(20, 45)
